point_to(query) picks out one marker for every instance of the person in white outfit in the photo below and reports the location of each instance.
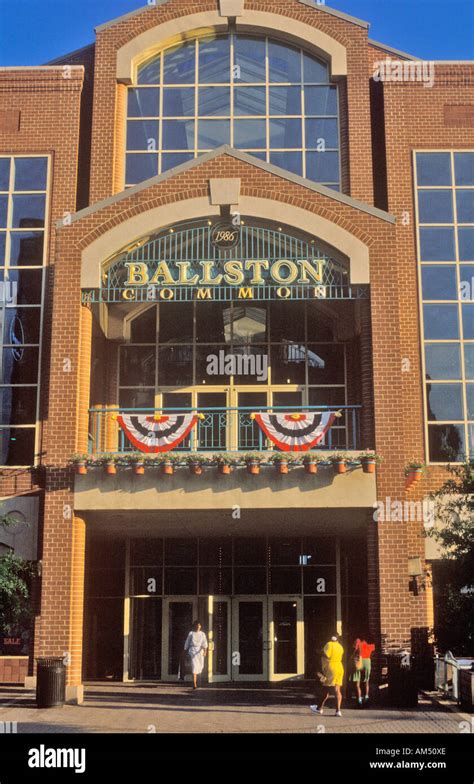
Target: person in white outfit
(196, 647)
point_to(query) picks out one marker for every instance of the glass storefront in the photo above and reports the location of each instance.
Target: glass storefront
(267, 604)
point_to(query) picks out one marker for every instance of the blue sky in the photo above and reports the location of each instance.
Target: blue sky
(35, 31)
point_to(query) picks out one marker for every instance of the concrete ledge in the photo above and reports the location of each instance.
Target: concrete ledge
(30, 682)
(75, 694)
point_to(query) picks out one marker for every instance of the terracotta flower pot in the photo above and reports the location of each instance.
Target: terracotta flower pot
(195, 468)
(110, 468)
(282, 467)
(311, 468)
(139, 469)
(253, 468)
(81, 468)
(339, 468)
(412, 477)
(368, 466)
(224, 468)
(167, 468)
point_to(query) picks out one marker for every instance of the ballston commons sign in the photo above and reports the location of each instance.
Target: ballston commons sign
(161, 270)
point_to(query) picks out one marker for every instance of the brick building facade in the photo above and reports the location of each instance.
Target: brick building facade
(271, 119)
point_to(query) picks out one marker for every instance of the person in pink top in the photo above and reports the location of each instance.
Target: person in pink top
(363, 648)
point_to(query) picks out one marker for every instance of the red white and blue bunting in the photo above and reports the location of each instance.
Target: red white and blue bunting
(157, 432)
(296, 432)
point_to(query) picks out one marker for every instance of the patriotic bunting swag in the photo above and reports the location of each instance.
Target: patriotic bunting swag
(296, 432)
(157, 432)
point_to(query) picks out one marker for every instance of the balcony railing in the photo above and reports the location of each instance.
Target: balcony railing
(221, 429)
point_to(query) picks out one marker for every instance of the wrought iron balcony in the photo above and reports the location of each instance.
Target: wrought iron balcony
(220, 429)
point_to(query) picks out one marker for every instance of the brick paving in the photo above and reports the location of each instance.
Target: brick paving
(249, 708)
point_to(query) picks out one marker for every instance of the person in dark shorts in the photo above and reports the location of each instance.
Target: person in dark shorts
(363, 649)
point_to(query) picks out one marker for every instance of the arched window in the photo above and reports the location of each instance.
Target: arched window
(274, 101)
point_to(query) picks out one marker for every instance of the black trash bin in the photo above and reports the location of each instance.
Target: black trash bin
(402, 683)
(50, 682)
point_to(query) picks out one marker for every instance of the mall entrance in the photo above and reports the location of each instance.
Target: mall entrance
(267, 604)
(256, 638)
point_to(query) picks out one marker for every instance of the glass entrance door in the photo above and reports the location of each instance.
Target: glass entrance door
(250, 641)
(178, 617)
(286, 632)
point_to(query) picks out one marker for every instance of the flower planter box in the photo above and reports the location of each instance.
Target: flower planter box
(167, 468)
(224, 468)
(139, 469)
(110, 468)
(196, 468)
(339, 468)
(368, 466)
(282, 467)
(81, 468)
(311, 468)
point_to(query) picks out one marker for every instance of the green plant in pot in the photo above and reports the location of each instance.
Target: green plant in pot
(282, 461)
(310, 461)
(80, 462)
(109, 461)
(252, 461)
(196, 463)
(169, 461)
(414, 470)
(339, 462)
(225, 462)
(137, 461)
(369, 460)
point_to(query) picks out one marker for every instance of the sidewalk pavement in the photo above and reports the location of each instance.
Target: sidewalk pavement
(220, 708)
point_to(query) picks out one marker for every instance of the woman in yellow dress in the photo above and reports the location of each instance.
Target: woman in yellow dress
(333, 673)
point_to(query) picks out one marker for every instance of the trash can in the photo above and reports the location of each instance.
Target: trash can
(402, 683)
(50, 682)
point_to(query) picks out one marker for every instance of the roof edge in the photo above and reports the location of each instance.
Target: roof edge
(121, 18)
(311, 3)
(69, 54)
(334, 12)
(239, 155)
(391, 49)
(36, 67)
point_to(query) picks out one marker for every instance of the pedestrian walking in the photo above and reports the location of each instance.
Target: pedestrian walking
(363, 648)
(332, 673)
(196, 647)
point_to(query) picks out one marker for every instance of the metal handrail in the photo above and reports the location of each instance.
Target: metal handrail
(224, 428)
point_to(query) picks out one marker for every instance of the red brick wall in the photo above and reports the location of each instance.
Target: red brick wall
(48, 100)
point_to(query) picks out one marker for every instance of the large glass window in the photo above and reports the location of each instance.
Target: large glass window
(23, 187)
(445, 223)
(178, 352)
(223, 566)
(266, 98)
